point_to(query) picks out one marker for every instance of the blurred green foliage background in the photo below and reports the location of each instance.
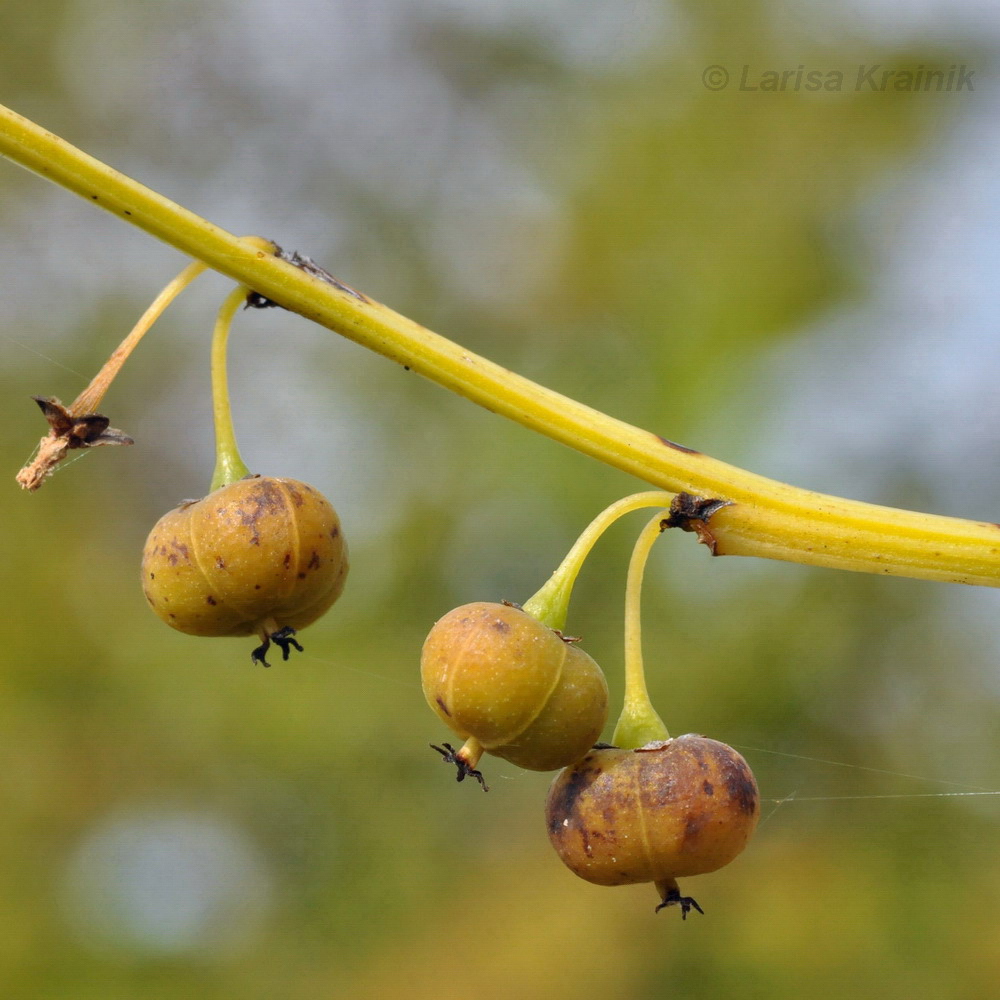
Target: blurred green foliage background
(800, 283)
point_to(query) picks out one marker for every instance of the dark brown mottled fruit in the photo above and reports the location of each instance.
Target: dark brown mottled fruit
(680, 807)
(253, 558)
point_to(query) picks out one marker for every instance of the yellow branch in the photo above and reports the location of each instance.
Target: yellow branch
(766, 518)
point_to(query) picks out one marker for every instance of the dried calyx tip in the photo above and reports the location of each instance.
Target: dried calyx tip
(68, 430)
(464, 769)
(672, 897)
(283, 638)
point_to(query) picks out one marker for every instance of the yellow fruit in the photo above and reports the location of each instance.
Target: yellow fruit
(493, 673)
(262, 556)
(680, 807)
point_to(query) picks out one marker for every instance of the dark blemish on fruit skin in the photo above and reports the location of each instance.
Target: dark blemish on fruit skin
(302, 576)
(314, 561)
(696, 750)
(256, 586)
(563, 803)
(501, 626)
(692, 827)
(220, 562)
(211, 600)
(297, 498)
(740, 785)
(442, 706)
(287, 560)
(152, 576)
(678, 447)
(335, 532)
(708, 788)
(180, 552)
(265, 498)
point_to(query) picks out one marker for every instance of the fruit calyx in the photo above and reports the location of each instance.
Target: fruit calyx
(462, 759)
(69, 428)
(283, 638)
(670, 893)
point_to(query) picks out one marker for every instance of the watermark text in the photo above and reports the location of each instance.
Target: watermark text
(871, 78)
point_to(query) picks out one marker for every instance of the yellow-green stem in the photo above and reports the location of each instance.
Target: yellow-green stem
(90, 398)
(229, 465)
(638, 724)
(550, 605)
(766, 518)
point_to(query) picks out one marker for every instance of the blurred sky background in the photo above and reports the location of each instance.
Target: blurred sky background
(799, 283)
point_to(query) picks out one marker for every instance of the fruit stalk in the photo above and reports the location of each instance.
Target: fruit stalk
(90, 398)
(550, 605)
(229, 464)
(639, 722)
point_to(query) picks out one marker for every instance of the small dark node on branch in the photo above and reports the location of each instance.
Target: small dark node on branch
(691, 513)
(257, 301)
(678, 447)
(453, 756)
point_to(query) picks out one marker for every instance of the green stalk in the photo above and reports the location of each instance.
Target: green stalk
(765, 518)
(550, 605)
(229, 465)
(639, 723)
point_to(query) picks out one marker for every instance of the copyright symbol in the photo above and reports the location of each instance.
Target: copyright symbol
(715, 78)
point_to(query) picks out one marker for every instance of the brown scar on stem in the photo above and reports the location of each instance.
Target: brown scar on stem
(257, 301)
(674, 444)
(691, 513)
(68, 431)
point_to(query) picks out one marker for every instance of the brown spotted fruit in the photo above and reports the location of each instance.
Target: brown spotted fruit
(670, 809)
(262, 556)
(498, 676)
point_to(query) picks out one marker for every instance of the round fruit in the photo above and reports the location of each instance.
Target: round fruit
(495, 674)
(679, 807)
(261, 556)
